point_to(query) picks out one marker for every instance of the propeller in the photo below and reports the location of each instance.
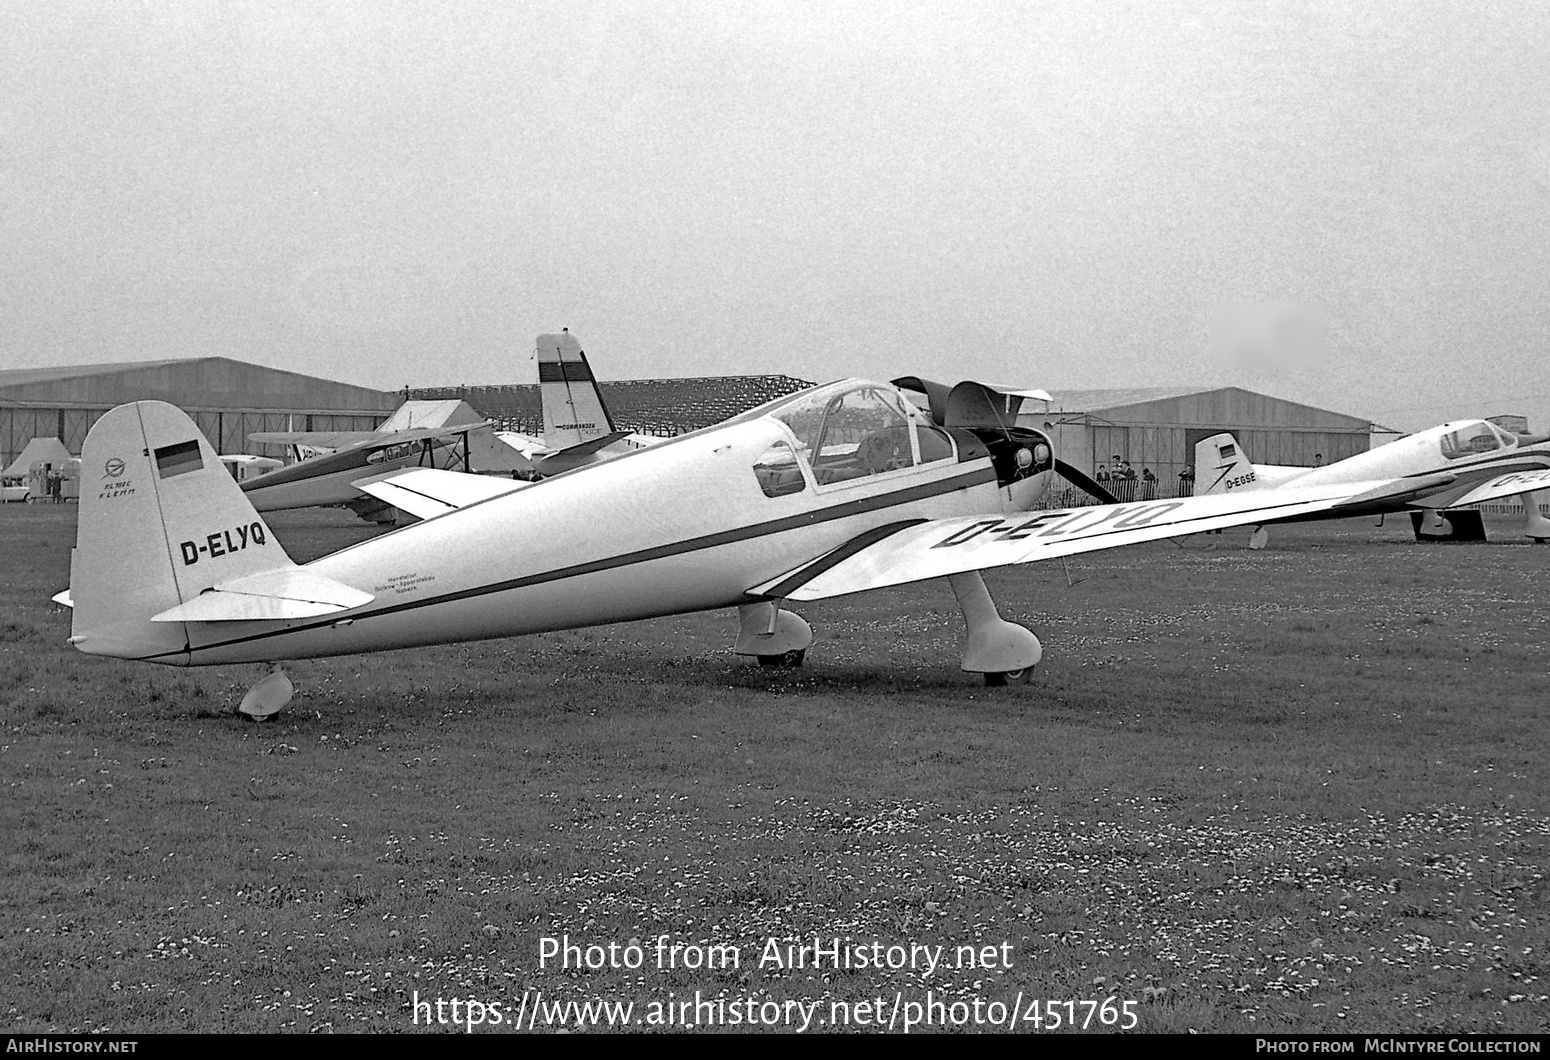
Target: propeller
(1082, 482)
(971, 404)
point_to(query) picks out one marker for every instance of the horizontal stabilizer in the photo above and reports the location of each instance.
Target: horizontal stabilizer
(63, 599)
(592, 445)
(290, 592)
(427, 492)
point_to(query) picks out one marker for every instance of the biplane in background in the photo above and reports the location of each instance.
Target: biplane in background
(450, 435)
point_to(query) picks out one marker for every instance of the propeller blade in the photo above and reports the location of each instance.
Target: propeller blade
(1083, 483)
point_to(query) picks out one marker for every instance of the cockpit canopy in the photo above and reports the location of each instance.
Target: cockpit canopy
(849, 430)
(1475, 438)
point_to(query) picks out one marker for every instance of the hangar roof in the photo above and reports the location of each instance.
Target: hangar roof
(190, 383)
(1196, 405)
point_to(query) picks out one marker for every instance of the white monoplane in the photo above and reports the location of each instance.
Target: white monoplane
(1455, 464)
(833, 490)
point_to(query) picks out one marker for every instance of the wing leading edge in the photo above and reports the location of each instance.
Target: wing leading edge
(914, 551)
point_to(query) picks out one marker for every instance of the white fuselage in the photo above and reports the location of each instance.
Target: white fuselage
(678, 527)
(1418, 454)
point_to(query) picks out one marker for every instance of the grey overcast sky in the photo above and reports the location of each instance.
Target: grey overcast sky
(1055, 194)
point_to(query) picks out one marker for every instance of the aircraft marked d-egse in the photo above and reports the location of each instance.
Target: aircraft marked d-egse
(833, 490)
(1459, 463)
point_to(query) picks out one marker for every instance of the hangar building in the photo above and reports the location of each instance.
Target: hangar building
(650, 406)
(1157, 428)
(228, 399)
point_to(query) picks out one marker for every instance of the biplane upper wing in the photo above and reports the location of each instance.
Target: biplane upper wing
(316, 439)
(340, 440)
(915, 550)
(427, 492)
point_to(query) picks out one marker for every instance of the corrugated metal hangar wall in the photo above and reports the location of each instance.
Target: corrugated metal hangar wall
(228, 399)
(1157, 428)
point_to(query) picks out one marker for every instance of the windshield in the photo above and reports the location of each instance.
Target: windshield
(1471, 440)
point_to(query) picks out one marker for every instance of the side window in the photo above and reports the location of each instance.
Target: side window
(934, 444)
(778, 472)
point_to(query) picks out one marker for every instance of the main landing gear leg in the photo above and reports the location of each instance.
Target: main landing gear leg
(1004, 652)
(1537, 526)
(776, 637)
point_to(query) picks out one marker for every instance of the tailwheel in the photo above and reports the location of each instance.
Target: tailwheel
(1009, 677)
(790, 659)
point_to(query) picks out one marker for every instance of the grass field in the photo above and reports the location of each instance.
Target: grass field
(1300, 789)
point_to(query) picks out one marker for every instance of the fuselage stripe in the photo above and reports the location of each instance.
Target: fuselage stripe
(976, 477)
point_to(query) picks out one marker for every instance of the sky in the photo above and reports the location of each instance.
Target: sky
(1341, 204)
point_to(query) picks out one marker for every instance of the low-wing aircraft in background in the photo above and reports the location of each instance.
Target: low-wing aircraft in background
(577, 427)
(1458, 464)
(833, 490)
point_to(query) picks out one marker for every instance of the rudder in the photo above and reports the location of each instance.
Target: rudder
(1221, 465)
(163, 522)
(573, 406)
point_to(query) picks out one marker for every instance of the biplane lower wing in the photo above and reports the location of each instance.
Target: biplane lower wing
(428, 492)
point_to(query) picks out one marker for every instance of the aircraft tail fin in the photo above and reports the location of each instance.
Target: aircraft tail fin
(161, 521)
(573, 406)
(1221, 465)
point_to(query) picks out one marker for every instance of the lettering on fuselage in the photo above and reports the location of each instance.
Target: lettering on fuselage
(1226, 469)
(575, 426)
(403, 583)
(223, 542)
(1060, 523)
(119, 488)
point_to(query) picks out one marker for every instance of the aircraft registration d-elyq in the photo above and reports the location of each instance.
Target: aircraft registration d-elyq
(1454, 464)
(832, 490)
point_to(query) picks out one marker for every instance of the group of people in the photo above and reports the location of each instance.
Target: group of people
(1121, 480)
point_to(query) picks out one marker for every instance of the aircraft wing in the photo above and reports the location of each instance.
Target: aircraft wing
(914, 550)
(427, 492)
(1509, 485)
(340, 440)
(315, 439)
